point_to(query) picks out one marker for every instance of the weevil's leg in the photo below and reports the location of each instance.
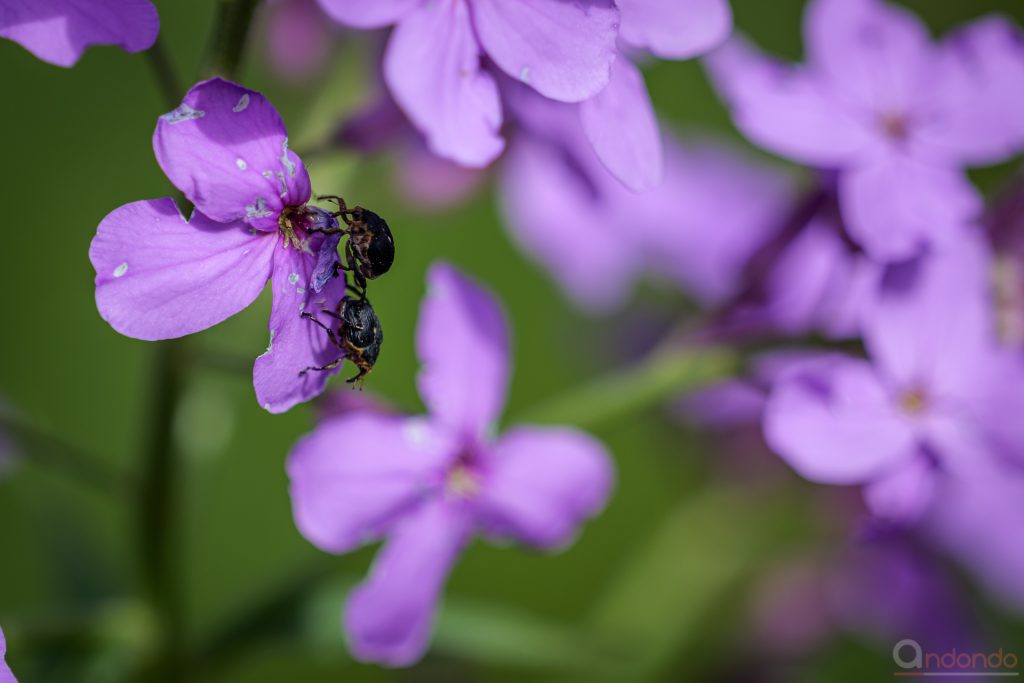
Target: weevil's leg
(329, 312)
(357, 381)
(330, 333)
(322, 368)
(357, 277)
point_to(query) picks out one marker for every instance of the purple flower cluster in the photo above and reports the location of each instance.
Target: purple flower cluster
(59, 31)
(450, 67)
(429, 484)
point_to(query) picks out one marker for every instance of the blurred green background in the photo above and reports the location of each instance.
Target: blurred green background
(655, 589)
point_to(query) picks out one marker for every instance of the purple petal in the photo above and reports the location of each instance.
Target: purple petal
(675, 29)
(226, 148)
(785, 109)
(6, 676)
(896, 207)
(159, 277)
(431, 183)
(327, 261)
(432, 67)
(932, 324)
(905, 493)
(388, 618)
(561, 208)
(296, 343)
(542, 483)
(368, 13)
(977, 113)
(299, 41)
(59, 31)
(355, 476)
(563, 50)
(462, 341)
(834, 423)
(726, 405)
(876, 55)
(621, 125)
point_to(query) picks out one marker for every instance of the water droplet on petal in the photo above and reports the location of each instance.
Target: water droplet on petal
(121, 269)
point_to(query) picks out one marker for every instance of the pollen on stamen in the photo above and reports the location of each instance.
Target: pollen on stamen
(913, 401)
(461, 483)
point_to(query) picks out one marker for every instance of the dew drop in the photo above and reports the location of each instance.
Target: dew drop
(121, 269)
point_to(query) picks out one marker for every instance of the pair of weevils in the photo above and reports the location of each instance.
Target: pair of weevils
(369, 253)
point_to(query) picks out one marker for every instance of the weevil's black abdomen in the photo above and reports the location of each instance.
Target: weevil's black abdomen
(372, 242)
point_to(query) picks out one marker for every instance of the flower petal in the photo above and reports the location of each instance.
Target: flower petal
(621, 125)
(542, 483)
(675, 29)
(432, 67)
(59, 31)
(932, 324)
(563, 50)
(904, 494)
(159, 277)
(833, 422)
(6, 676)
(368, 13)
(462, 341)
(897, 207)
(295, 342)
(354, 476)
(388, 618)
(226, 148)
(878, 56)
(785, 109)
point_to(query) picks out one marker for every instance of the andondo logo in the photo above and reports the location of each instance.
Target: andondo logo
(913, 660)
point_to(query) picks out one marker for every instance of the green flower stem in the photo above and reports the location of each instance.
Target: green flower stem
(228, 41)
(164, 75)
(665, 373)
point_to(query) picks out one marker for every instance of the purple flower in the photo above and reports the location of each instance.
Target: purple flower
(58, 31)
(898, 116)
(564, 51)
(298, 37)
(937, 395)
(428, 484)
(6, 675)
(160, 275)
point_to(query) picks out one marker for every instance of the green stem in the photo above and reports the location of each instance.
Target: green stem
(665, 373)
(164, 75)
(50, 451)
(228, 40)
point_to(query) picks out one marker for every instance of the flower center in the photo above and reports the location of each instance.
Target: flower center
(913, 401)
(895, 126)
(462, 482)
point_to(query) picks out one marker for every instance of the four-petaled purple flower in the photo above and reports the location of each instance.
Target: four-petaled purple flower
(160, 275)
(898, 116)
(6, 675)
(59, 31)
(436, 69)
(428, 484)
(938, 395)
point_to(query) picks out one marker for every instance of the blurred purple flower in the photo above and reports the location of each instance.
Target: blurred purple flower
(898, 116)
(59, 31)
(160, 275)
(299, 38)
(566, 52)
(6, 675)
(938, 394)
(427, 484)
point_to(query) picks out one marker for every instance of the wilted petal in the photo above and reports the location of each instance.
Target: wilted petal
(368, 13)
(785, 109)
(542, 483)
(905, 493)
(462, 341)
(834, 423)
(295, 342)
(354, 476)
(59, 31)
(158, 276)
(388, 618)
(977, 111)
(621, 125)
(896, 207)
(432, 67)
(563, 50)
(675, 29)
(878, 56)
(226, 148)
